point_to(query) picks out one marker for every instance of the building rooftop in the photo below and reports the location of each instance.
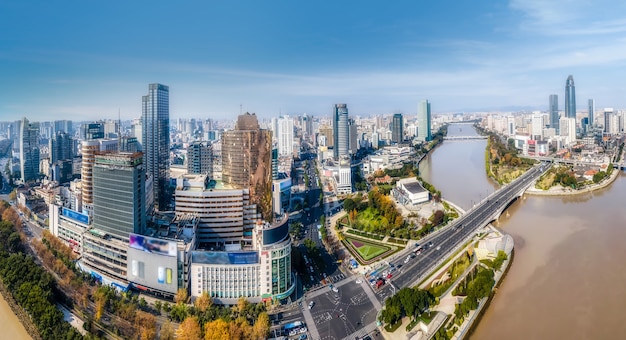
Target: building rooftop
(414, 187)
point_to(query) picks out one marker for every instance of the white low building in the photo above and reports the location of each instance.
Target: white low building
(409, 191)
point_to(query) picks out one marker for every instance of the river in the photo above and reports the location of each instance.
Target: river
(9, 323)
(567, 278)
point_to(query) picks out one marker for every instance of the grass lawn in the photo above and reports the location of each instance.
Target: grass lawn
(367, 250)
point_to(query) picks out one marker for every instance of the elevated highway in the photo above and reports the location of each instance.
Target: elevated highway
(446, 241)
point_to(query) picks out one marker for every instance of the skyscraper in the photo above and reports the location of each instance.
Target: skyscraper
(341, 131)
(247, 161)
(592, 110)
(397, 128)
(156, 139)
(63, 125)
(570, 98)
(554, 112)
(353, 141)
(284, 136)
(61, 146)
(119, 193)
(29, 150)
(423, 121)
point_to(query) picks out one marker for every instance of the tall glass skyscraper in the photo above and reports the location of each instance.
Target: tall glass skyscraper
(156, 140)
(397, 128)
(29, 150)
(592, 110)
(119, 194)
(570, 98)
(554, 112)
(423, 121)
(247, 161)
(341, 131)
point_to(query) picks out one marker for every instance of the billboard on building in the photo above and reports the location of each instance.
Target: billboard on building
(75, 215)
(153, 245)
(152, 270)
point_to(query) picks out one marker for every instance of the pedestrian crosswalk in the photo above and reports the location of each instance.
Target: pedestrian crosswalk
(338, 277)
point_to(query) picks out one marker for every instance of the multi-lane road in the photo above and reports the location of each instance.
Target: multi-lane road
(438, 246)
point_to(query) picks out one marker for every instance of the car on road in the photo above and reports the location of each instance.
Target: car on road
(359, 281)
(389, 276)
(439, 248)
(335, 289)
(311, 304)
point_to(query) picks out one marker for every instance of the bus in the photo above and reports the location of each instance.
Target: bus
(418, 249)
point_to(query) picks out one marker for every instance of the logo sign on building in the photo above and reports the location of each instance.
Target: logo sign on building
(153, 245)
(76, 216)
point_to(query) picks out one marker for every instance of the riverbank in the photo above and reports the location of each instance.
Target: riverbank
(563, 191)
(22, 326)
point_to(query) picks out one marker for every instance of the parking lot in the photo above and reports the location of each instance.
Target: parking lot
(339, 314)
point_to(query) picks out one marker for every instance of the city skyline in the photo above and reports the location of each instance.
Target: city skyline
(89, 61)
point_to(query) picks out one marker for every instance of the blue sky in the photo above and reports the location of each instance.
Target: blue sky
(87, 59)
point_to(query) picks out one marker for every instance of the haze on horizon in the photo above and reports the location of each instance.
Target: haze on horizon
(86, 60)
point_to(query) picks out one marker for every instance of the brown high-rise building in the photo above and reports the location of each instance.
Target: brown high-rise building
(247, 161)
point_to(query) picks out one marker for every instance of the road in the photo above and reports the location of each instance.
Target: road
(459, 231)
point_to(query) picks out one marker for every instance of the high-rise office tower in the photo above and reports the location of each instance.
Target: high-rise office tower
(119, 193)
(423, 121)
(397, 128)
(592, 110)
(156, 140)
(570, 98)
(88, 150)
(341, 131)
(61, 147)
(247, 161)
(284, 136)
(353, 141)
(63, 126)
(91, 131)
(29, 150)
(554, 112)
(200, 159)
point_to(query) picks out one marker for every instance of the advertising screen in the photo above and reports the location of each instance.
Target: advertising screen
(153, 245)
(82, 218)
(152, 270)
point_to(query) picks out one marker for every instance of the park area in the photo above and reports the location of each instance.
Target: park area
(367, 252)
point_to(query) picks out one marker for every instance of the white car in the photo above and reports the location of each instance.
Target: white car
(359, 281)
(311, 304)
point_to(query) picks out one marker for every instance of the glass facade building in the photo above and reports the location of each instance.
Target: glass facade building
(29, 151)
(397, 128)
(554, 112)
(247, 161)
(341, 131)
(119, 194)
(424, 121)
(156, 140)
(570, 98)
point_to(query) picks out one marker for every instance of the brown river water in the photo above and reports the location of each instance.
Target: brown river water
(568, 278)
